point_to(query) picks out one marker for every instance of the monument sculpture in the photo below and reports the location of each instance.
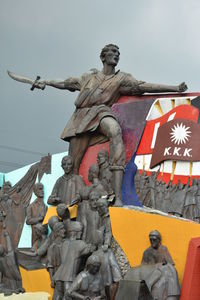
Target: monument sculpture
(72, 252)
(178, 199)
(10, 277)
(109, 268)
(68, 186)
(93, 177)
(78, 253)
(54, 251)
(88, 216)
(163, 279)
(157, 271)
(93, 119)
(36, 211)
(105, 174)
(88, 284)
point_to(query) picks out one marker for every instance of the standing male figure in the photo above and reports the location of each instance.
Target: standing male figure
(68, 186)
(72, 252)
(105, 174)
(93, 117)
(36, 211)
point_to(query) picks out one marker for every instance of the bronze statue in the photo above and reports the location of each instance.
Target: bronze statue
(178, 198)
(88, 216)
(157, 271)
(42, 250)
(156, 253)
(104, 224)
(88, 284)
(36, 211)
(105, 174)
(41, 232)
(190, 208)
(93, 177)
(143, 187)
(137, 182)
(162, 280)
(109, 269)
(68, 186)
(150, 198)
(72, 252)
(93, 119)
(54, 250)
(10, 277)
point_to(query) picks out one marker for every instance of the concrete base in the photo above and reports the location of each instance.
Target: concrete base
(27, 296)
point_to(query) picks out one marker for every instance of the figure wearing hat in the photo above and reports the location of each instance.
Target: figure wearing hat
(72, 252)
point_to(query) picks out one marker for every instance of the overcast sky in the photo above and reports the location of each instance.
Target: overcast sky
(159, 41)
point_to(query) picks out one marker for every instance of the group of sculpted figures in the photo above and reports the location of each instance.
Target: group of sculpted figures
(179, 199)
(78, 253)
(82, 244)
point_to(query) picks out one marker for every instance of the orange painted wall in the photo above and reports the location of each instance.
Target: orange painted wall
(36, 281)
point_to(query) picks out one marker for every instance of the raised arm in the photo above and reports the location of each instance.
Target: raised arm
(70, 84)
(131, 86)
(162, 88)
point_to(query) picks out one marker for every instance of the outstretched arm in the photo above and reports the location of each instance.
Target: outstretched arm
(131, 86)
(70, 84)
(161, 88)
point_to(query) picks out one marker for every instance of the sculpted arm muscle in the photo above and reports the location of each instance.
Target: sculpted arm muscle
(71, 84)
(131, 86)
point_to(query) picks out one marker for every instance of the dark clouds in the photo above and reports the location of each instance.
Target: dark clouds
(159, 42)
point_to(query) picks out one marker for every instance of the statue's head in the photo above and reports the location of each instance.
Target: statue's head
(155, 239)
(59, 229)
(67, 164)
(110, 55)
(102, 206)
(93, 172)
(93, 264)
(75, 230)
(102, 157)
(94, 196)
(39, 190)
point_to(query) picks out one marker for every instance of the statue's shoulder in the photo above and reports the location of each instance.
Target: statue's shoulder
(164, 248)
(91, 73)
(59, 180)
(149, 249)
(126, 76)
(83, 275)
(78, 177)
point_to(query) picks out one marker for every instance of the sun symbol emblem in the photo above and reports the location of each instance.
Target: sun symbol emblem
(180, 134)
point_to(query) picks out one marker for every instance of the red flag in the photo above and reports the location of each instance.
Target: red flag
(148, 139)
(177, 140)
